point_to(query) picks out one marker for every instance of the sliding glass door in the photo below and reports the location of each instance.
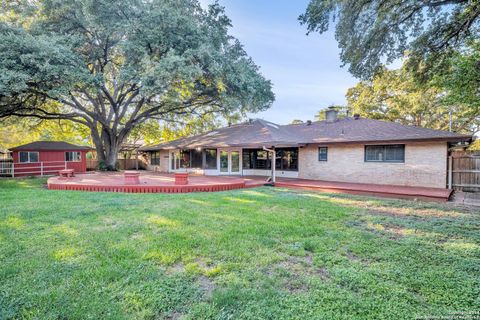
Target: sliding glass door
(235, 162)
(224, 162)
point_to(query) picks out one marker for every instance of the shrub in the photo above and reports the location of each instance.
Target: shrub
(103, 166)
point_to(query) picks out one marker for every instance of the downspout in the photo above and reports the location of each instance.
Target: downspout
(272, 163)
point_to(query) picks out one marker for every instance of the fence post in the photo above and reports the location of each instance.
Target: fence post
(41, 169)
(13, 169)
(450, 171)
(136, 159)
(65, 165)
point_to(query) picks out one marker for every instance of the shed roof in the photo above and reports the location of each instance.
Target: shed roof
(49, 145)
(258, 133)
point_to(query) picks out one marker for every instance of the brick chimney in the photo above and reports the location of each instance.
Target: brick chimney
(331, 114)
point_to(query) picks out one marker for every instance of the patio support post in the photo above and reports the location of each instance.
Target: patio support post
(204, 160)
(136, 159)
(450, 172)
(272, 163)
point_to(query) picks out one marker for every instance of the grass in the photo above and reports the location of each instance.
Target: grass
(265, 253)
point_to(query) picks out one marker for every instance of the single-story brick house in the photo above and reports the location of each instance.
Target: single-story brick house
(48, 157)
(346, 150)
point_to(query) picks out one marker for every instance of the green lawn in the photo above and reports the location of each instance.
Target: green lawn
(265, 253)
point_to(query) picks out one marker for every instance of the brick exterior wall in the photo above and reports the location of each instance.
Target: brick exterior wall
(425, 165)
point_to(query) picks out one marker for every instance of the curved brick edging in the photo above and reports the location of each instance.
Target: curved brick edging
(146, 188)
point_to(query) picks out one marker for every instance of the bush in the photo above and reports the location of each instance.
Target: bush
(103, 166)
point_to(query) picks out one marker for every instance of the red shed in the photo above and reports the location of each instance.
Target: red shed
(48, 157)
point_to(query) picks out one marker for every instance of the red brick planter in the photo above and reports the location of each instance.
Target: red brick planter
(181, 178)
(131, 177)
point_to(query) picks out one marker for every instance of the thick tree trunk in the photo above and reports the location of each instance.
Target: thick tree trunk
(107, 146)
(111, 157)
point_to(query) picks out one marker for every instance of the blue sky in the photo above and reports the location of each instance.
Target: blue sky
(305, 70)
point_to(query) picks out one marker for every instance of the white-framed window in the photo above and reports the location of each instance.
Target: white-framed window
(323, 154)
(28, 156)
(73, 156)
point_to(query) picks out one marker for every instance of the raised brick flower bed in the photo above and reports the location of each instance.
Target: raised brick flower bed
(181, 178)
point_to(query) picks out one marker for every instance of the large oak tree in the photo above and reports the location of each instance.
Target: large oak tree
(113, 65)
(373, 32)
(397, 95)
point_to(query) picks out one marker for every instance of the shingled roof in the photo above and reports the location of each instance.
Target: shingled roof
(252, 133)
(49, 145)
(258, 133)
(368, 130)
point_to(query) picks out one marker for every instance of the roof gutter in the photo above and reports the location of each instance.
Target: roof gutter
(272, 163)
(394, 141)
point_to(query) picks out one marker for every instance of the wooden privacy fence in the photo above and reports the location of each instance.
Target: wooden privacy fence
(6, 168)
(464, 171)
(125, 164)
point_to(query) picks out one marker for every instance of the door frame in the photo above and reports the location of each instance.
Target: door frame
(229, 161)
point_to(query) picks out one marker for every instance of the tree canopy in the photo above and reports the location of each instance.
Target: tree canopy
(374, 32)
(15, 132)
(458, 74)
(396, 95)
(113, 65)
